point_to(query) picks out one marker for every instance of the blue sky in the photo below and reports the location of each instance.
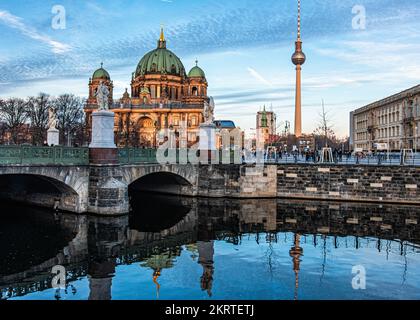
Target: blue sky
(244, 46)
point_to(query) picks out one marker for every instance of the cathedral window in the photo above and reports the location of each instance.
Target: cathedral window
(176, 121)
(194, 121)
(173, 69)
(154, 67)
(194, 91)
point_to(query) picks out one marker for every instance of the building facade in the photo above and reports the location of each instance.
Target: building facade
(391, 123)
(227, 129)
(162, 96)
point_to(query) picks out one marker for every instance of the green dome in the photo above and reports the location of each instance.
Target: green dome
(196, 72)
(160, 61)
(101, 73)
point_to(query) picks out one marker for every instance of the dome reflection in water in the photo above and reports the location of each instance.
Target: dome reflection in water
(192, 248)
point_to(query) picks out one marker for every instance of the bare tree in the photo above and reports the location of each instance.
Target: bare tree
(70, 117)
(37, 111)
(133, 137)
(324, 129)
(13, 114)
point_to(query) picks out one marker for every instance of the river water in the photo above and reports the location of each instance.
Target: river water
(184, 248)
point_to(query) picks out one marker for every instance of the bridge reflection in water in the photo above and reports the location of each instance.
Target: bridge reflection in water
(192, 248)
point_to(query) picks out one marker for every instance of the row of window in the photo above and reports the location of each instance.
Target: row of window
(389, 118)
(172, 93)
(392, 132)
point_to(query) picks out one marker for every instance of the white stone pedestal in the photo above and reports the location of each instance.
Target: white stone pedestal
(207, 137)
(103, 130)
(53, 137)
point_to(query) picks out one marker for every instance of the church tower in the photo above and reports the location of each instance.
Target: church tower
(100, 75)
(298, 60)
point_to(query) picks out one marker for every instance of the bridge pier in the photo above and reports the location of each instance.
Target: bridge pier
(108, 194)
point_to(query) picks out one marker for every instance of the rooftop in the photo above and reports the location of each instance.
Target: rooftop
(391, 99)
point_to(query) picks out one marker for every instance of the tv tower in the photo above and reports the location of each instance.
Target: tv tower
(298, 60)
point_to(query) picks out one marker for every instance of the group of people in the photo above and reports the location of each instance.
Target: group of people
(307, 155)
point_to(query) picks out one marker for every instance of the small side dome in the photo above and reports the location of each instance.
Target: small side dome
(196, 72)
(126, 95)
(101, 73)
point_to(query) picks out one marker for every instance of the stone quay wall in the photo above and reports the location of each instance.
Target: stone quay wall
(393, 184)
(237, 181)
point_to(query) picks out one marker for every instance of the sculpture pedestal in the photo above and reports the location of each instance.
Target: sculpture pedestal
(207, 145)
(102, 149)
(53, 137)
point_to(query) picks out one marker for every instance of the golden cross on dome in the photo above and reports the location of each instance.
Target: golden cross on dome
(162, 34)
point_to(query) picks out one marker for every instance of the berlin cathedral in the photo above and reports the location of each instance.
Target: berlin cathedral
(163, 96)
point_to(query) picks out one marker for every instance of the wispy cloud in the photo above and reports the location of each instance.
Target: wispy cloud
(15, 22)
(258, 76)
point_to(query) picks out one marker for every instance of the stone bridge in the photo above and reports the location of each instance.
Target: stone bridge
(66, 179)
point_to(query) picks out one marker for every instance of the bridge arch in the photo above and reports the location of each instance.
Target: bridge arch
(64, 188)
(169, 179)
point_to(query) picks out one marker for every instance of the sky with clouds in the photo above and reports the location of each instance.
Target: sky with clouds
(244, 46)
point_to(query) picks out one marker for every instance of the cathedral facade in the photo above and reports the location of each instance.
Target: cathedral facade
(163, 96)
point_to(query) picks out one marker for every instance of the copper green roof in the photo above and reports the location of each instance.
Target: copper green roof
(101, 73)
(160, 61)
(197, 72)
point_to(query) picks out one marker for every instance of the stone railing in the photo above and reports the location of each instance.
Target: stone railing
(136, 156)
(31, 155)
(174, 156)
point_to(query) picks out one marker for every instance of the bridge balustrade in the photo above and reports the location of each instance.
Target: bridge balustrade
(32, 155)
(136, 156)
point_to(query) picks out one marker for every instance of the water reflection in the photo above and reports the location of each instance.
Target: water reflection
(175, 248)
